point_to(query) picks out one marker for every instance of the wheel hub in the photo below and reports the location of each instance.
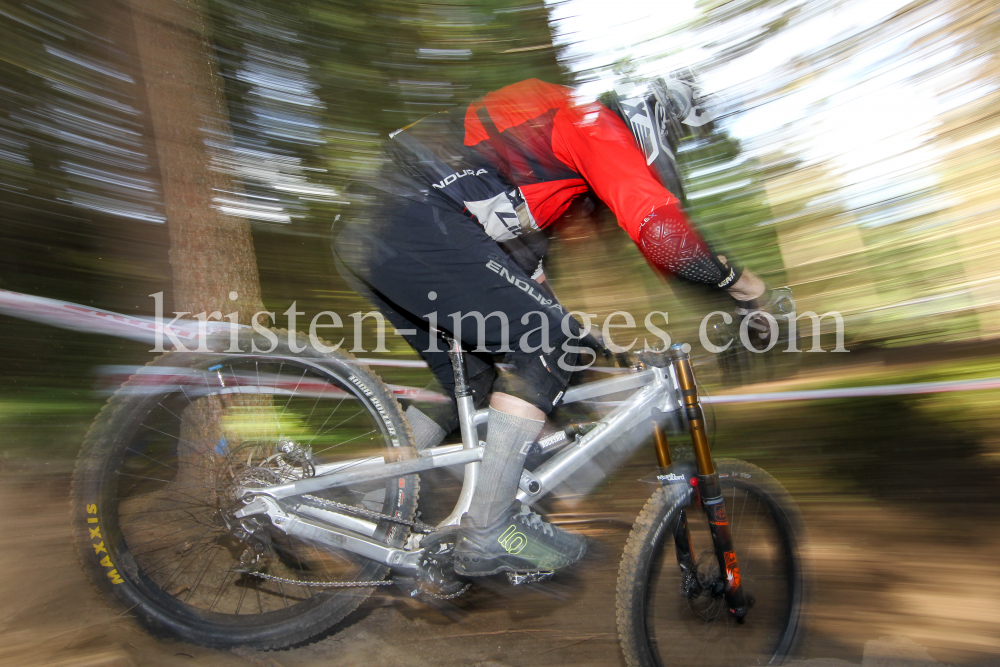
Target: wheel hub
(707, 599)
(254, 465)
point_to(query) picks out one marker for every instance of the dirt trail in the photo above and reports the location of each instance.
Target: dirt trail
(893, 590)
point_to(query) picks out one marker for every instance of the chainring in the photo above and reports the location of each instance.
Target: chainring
(436, 567)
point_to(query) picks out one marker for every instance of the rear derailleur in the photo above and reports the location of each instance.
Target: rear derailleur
(251, 532)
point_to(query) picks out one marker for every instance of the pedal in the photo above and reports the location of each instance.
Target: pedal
(518, 578)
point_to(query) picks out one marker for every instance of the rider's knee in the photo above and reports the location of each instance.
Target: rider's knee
(517, 407)
(536, 377)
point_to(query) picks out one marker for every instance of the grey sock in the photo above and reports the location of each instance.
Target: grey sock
(507, 443)
(426, 432)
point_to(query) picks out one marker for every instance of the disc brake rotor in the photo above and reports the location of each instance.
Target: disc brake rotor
(709, 604)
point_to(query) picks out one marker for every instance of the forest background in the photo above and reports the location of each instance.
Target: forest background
(198, 148)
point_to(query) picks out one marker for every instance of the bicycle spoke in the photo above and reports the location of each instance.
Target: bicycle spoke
(151, 569)
(239, 602)
(158, 462)
(297, 384)
(327, 420)
(340, 444)
(702, 631)
(222, 586)
(170, 435)
(157, 510)
(174, 491)
(201, 574)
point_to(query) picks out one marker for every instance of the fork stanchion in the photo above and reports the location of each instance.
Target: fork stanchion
(663, 458)
(692, 406)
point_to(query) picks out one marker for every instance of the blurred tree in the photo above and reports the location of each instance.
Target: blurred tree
(211, 251)
(211, 248)
(313, 88)
(873, 125)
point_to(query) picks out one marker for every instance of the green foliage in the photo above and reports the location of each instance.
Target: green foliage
(312, 89)
(727, 202)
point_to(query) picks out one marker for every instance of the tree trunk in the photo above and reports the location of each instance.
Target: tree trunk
(211, 253)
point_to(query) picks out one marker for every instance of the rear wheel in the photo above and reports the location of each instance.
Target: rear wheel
(157, 474)
(665, 618)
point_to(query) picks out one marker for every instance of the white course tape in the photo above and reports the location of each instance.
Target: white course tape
(858, 392)
(147, 380)
(75, 317)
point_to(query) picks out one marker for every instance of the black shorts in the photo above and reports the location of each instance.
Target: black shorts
(426, 267)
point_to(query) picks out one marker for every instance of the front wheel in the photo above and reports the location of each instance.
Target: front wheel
(668, 618)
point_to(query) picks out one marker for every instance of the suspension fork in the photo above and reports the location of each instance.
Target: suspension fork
(682, 536)
(708, 487)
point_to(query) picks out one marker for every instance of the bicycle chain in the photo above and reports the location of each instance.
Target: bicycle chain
(354, 584)
(418, 526)
(447, 597)
(322, 584)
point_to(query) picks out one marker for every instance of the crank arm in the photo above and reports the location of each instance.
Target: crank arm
(325, 535)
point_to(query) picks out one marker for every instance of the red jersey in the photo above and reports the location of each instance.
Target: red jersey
(514, 161)
(558, 149)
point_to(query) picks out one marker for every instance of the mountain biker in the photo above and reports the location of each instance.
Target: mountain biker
(459, 209)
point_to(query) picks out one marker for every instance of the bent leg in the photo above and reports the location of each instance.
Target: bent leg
(497, 534)
(513, 427)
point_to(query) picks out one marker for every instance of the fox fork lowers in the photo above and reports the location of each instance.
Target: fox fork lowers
(709, 489)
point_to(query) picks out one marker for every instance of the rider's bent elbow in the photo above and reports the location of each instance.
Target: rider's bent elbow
(670, 245)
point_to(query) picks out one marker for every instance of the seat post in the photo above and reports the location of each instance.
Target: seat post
(463, 394)
(470, 436)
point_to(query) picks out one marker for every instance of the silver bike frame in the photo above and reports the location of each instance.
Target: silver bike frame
(283, 503)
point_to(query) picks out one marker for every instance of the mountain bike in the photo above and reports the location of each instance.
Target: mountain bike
(257, 499)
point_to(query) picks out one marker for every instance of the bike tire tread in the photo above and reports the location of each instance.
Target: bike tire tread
(630, 598)
(97, 447)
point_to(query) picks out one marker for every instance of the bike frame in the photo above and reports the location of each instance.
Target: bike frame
(665, 397)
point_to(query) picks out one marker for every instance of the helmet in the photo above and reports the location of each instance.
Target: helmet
(661, 112)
